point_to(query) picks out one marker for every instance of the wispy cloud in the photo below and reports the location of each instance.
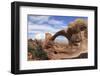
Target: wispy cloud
(45, 20)
(42, 24)
(41, 28)
(37, 19)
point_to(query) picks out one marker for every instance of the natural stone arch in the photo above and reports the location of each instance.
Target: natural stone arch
(60, 33)
(73, 31)
(73, 28)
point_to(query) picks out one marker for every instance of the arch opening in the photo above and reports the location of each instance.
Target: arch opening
(61, 39)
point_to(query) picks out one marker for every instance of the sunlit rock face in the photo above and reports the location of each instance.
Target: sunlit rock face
(48, 36)
(61, 39)
(47, 39)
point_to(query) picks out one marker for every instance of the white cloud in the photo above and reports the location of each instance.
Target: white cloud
(55, 22)
(45, 20)
(39, 19)
(41, 28)
(43, 24)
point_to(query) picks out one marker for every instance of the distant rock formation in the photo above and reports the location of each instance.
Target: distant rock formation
(48, 42)
(47, 36)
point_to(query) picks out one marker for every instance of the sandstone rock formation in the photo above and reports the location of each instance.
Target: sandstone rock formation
(77, 35)
(48, 43)
(61, 51)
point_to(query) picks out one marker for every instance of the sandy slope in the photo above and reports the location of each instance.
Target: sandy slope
(63, 52)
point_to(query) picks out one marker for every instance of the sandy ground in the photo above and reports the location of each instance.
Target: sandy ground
(63, 51)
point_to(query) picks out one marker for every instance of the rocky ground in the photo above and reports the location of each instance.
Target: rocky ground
(57, 50)
(61, 51)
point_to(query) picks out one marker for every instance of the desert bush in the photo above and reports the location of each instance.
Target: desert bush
(31, 50)
(38, 52)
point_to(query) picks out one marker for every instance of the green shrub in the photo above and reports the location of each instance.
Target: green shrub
(38, 52)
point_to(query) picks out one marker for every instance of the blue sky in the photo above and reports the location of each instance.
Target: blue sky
(40, 24)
